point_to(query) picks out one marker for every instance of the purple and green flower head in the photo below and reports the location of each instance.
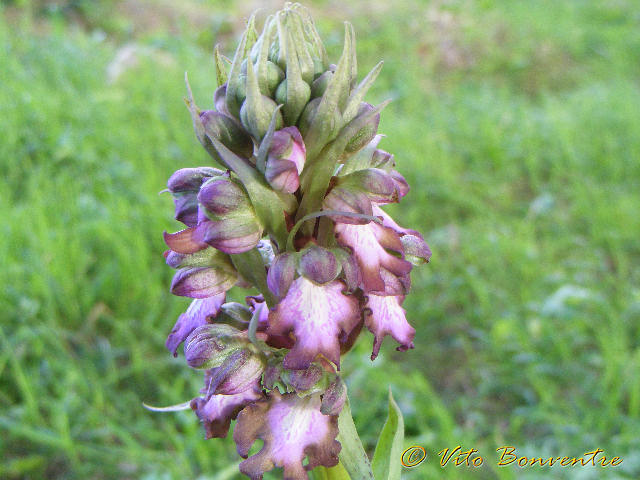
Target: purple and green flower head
(289, 205)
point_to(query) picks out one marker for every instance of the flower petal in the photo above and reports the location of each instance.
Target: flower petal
(317, 316)
(198, 313)
(292, 428)
(379, 268)
(185, 241)
(217, 411)
(387, 317)
(415, 248)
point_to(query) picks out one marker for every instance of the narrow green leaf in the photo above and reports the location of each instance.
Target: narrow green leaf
(335, 96)
(298, 91)
(386, 459)
(357, 96)
(263, 55)
(352, 455)
(265, 144)
(221, 66)
(354, 60)
(234, 82)
(197, 123)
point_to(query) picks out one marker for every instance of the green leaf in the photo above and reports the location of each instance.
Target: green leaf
(221, 63)
(386, 459)
(352, 455)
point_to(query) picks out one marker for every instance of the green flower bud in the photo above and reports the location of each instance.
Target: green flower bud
(320, 84)
(230, 134)
(308, 119)
(294, 101)
(366, 133)
(257, 109)
(221, 196)
(208, 346)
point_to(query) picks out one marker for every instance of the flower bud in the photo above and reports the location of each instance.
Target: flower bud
(303, 380)
(281, 274)
(382, 159)
(223, 196)
(350, 270)
(366, 133)
(285, 160)
(184, 185)
(208, 257)
(233, 234)
(272, 77)
(230, 134)
(294, 101)
(402, 187)
(416, 249)
(210, 345)
(257, 109)
(203, 282)
(376, 184)
(330, 122)
(334, 397)
(190, 179)
(219, 99)
(320, 84)
(235, 314)
(239, 372)
(319, 265)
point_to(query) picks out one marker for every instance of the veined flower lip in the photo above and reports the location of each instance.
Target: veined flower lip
(292, 428)
(316, 315)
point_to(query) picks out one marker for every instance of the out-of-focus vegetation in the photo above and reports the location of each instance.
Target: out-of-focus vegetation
(517, 125)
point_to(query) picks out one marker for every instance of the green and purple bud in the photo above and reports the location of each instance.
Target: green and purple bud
(184, 185)
(318, 265)
(285, 160)
(208, 346)
(228, 220)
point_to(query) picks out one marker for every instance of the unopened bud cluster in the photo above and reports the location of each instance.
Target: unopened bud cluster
(291, 209)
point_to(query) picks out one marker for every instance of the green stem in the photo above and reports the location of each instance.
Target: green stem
(249, 264)
(325, 213)
(334, 473)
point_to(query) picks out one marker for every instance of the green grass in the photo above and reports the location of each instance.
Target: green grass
(517, 126)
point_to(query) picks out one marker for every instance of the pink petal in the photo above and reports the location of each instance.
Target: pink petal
(317, 315)
(387, 317)
(369, 244)
(217, 411)
(292, 428)
(197, 314)
(185, 241)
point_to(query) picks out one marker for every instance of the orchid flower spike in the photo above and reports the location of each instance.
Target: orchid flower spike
(292, 207)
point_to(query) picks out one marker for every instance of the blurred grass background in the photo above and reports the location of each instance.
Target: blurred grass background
(517, 125)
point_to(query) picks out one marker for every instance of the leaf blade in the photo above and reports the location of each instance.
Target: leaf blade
(386, 458)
